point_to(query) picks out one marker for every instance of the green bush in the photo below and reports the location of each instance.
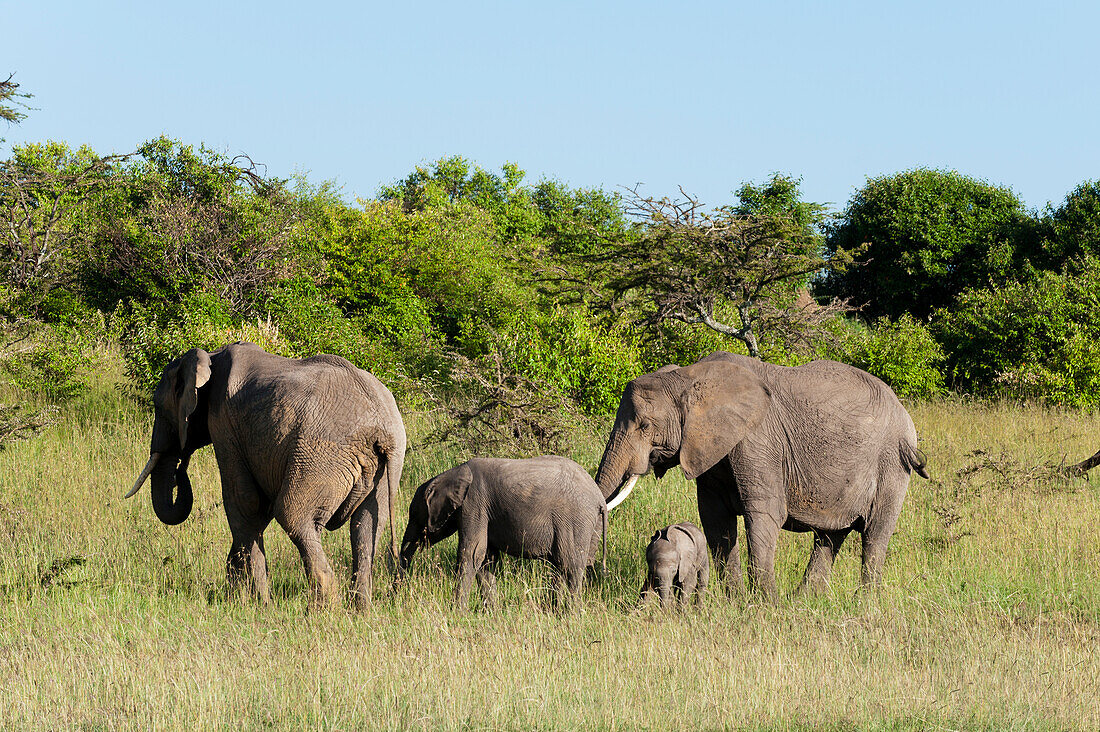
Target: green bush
(902, 353)
(930, 234)
(51, 362)
(588, 362)
(309, 322)
(152, 336)
(1031, 340)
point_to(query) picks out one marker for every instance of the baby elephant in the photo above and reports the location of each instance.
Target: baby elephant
(543, 507)
(677, 557)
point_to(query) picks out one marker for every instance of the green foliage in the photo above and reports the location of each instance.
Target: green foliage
(43, 191)
(1038, 339)
(10, 102)
(902, 353)
(570, 290)
(417, 279)
(736, 270)
(55, 367)
(588, 362)
(576, 221)
(177, 220)
(931, 235)
(153, 335)
(455, 180)
(1073, 228)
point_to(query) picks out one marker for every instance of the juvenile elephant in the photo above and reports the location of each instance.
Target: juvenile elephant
(306, 442)
(542, 508)
(678, 564)
(823, 447)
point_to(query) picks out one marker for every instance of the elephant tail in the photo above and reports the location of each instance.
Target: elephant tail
(603, 559)
(914, 459)
(395, 463)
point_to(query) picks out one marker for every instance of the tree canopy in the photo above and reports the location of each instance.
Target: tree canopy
(929, 235)
(737, 269)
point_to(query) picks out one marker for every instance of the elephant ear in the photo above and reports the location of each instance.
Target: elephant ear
(446, 495)
(191, 375)
(722, 403)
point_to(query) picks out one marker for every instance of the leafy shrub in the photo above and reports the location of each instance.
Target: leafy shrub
(931, 234)
(1038, 339)
(588, 362)
(414, 277)
(151, 337)
(902, 353)
(51, 361)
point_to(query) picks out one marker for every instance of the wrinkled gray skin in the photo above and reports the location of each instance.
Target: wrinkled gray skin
(542, 508)
(823, 447)
(306, 442)
(678, 564)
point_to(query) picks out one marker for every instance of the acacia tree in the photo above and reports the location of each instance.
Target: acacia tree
(10, 97)
(740, 270)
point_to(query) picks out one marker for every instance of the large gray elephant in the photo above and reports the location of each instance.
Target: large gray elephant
(307, 442)
(823, 447)
(543, 507)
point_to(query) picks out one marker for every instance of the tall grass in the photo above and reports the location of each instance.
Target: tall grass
(989, 616)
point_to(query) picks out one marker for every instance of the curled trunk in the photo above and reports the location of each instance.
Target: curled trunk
(172, 496)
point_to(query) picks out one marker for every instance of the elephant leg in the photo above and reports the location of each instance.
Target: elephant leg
(366, 529)
(246, 566)
(322, 580)
(763, 534)
(307, 501)
(248, 512)
(820, 566)
(687, 588)
(704, 579)
(472, 547)
(880, 526)
(574, 578)
(487, 579)
(720, 528)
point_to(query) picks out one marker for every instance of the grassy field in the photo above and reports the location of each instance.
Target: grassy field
(989, 617)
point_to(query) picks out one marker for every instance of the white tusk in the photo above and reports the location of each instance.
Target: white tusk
(144, 474)
(623, 492)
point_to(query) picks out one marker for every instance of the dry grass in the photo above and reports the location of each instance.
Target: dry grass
(989, 617)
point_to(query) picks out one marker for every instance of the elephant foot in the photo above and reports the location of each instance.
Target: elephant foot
(324, 595)
(812, 587)
(362, 598)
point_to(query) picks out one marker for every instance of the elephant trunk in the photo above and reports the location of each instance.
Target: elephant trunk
(614, 477)
(410, 543)
(664, 591)
(172, 506)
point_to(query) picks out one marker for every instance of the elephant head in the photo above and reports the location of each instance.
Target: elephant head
(663, 559)
(434, 511)
(691, 416)
(179, 428)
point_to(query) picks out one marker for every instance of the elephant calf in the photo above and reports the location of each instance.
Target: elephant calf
(677, 558)
(542, 507)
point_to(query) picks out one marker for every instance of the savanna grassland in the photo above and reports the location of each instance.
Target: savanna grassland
(989, 617)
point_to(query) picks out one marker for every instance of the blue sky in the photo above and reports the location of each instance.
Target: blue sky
(702, 95)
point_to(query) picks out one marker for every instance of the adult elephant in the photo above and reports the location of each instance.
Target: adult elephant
(307, 442)
(823, 447)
